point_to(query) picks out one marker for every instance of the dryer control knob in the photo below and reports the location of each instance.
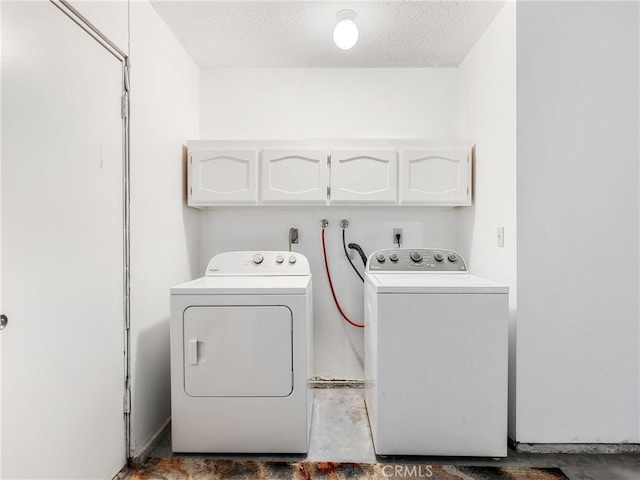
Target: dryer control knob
(416, 256)
(453, 257)
(439, 257)
(279, 259)
(393, 256)
(380, 257)
(292, 259)
(257, 259)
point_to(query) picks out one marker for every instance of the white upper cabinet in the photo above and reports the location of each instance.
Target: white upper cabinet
(364, 176)
(299, 172)
(294, 176)
(222, 177)
(435, 177)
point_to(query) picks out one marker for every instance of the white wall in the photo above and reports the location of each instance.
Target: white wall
(327, 103)
(164, 232)
(488, 97)
(578, 207)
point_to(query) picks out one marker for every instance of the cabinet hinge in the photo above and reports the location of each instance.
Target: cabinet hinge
(467, 191)
(124, 106)
(328, 159)
(328, 191)
(127, 397)
(191, 191)
(190, 159)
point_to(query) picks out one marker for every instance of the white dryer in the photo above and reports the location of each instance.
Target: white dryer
(435, 356)
(241, 356)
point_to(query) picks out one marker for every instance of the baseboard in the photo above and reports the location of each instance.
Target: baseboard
(318, 382)
(122, 474)
(576, 448)
(138, 458)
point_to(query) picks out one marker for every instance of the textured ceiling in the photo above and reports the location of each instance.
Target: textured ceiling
(299, 33)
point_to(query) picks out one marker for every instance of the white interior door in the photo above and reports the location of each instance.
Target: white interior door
(62, 249)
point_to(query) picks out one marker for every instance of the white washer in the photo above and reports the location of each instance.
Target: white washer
(241, 356)
(435, 356)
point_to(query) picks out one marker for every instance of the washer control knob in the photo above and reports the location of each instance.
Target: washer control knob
(416, 256)
(257, 259)
(380, 257)
(393, 256)
(279, 259)
(453, 257)
(292, 259)
(439, 257)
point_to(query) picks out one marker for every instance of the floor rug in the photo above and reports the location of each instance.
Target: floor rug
(207, 469)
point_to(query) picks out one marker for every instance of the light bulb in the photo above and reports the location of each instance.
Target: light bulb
(345, 33)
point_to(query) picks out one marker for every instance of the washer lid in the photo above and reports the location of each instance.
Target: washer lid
(247, 285)
(432, 283)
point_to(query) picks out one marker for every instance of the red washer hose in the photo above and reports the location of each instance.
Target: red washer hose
(335, 299)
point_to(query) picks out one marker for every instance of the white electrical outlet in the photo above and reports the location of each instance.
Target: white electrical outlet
(500, 236)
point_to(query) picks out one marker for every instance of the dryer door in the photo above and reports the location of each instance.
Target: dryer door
(238, 351)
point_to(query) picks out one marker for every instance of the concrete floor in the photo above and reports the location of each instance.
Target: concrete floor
(340, 433)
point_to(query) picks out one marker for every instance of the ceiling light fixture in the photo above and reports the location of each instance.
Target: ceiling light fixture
(345, 33)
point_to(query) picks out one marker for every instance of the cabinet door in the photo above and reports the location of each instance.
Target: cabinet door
(222, 177)
(364, 176)
(435, 177)
(294, 176)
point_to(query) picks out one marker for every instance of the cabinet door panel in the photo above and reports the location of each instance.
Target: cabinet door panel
(219, 177)
(364, 176)
(435, 177)
(294, 176)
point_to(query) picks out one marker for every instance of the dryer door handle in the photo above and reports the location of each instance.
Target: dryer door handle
(193, 351)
